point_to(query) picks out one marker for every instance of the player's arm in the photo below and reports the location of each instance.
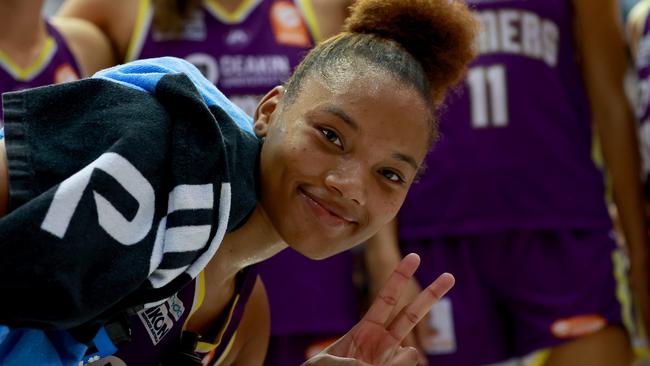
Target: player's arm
(90, 46)
(330, 15)
(381, 256)
(604, 64)
(115, 18)
(255, 328)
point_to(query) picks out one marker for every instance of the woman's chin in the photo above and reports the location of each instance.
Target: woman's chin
(314, 250)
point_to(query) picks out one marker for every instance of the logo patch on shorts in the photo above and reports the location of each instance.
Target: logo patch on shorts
(578, 326)
(442, 337)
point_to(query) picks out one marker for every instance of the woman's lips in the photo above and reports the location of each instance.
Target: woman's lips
(322, 212)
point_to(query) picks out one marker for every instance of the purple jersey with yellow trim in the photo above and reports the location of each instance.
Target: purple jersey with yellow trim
(245, 53)
(156, 331)
(55, 64)
(515, 146)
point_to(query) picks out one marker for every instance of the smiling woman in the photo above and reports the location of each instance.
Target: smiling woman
(183, 188)
(335, 164)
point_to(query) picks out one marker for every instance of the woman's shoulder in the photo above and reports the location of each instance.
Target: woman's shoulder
(115, 18)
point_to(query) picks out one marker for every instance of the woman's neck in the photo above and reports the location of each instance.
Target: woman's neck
(22, 30)
(252, 243)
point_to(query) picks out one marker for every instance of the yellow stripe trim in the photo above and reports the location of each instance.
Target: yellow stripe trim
(199, 292)
(310, 17)
(622, 288)
(227, 350)
(632, 323)
(538, 358)
(205, 347)
(201, 285)
(199, 295)
(29, 72)
(145, 14)
(235, 16)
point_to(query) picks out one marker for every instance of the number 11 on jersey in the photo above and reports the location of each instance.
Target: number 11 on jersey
(488, 96)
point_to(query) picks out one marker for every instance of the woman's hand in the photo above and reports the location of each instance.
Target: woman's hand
(376, 341)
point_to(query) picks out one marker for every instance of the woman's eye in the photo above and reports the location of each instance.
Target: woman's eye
(392, 176)
(331, 136)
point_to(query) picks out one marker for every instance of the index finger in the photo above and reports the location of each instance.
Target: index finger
(411, 315)
(389, 294)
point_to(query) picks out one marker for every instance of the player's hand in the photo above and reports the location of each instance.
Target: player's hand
(329, 360)
(419, 336)
(422, 331)
(377, 341)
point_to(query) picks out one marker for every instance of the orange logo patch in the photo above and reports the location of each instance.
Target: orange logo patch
(288, 26)
(65, 73)
(578, 326)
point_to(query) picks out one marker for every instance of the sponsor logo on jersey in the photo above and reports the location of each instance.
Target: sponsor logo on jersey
(237, 71)
(159, 320)
(578, 326)
(207, 64)
(288, 26)
(237, 38)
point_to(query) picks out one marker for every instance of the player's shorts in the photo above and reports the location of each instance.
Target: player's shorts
(518, 293)
(295, 350)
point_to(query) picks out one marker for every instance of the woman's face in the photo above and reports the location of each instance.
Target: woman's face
(339, 158)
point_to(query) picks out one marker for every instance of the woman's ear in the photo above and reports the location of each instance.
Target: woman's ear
(267, 106)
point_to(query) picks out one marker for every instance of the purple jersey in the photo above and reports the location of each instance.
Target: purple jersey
(245, 53)
(156, 330)
(327, 301)
(55, 64)
(515, 146)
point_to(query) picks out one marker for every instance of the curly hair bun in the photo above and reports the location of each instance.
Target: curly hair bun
(438, 33)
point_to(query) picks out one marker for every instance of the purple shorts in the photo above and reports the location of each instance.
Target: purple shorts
(519, 292)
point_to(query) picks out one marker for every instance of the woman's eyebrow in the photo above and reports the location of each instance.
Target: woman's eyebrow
(405, 158)
(338, 112)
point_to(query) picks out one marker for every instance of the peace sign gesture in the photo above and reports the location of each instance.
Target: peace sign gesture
(375, 341)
